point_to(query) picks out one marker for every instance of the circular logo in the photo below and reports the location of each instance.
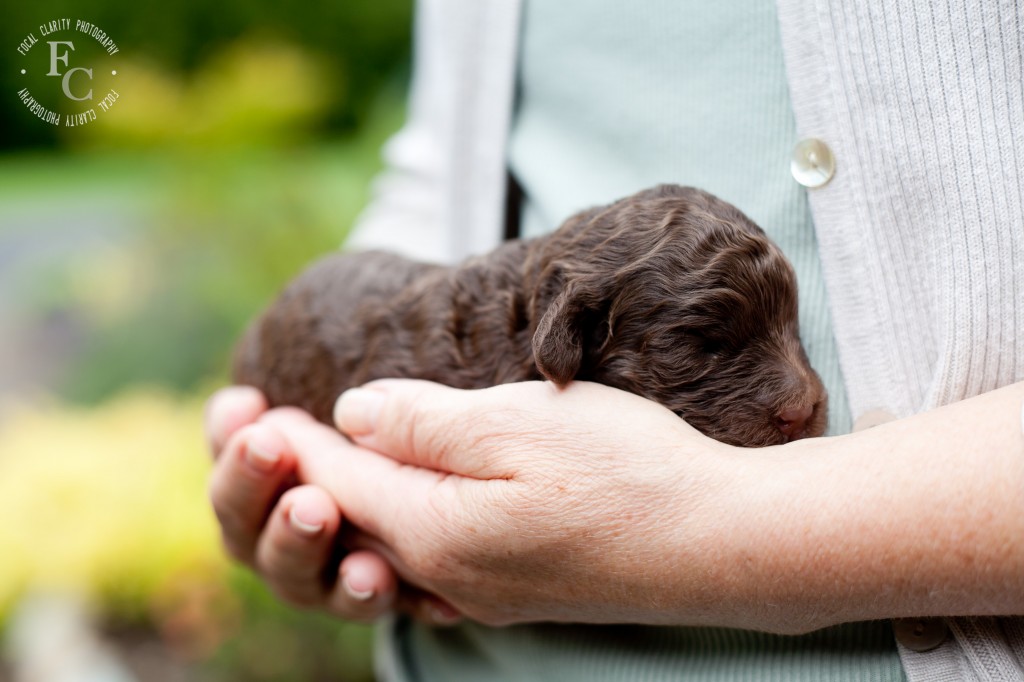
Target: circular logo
(68, 72)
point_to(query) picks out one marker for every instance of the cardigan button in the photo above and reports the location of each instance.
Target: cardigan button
(812, 163)
(920, 634)
(872, 418)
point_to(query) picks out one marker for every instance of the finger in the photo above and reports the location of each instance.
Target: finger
(370, 577)
(430, 425)
(295, 554)
(375, 493)
(245, 483)
(228, 410)
(366, 589)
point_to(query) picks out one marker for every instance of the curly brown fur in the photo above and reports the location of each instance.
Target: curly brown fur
(671, 293)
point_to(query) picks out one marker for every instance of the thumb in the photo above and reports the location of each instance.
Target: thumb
(424, 424)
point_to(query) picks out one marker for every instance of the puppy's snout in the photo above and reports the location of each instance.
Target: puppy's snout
(792, 422)
(802, 412)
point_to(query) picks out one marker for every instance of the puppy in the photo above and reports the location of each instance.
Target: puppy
(671, 293)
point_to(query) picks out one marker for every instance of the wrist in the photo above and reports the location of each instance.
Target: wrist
(722, 544)
(779, 551)
(753, 545)
(916, 517)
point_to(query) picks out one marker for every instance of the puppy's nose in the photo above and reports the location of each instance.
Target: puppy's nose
(793, 421)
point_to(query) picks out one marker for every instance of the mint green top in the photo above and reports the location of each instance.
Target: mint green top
(615, 97)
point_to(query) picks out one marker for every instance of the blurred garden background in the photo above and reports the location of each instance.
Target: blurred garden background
(133, 250)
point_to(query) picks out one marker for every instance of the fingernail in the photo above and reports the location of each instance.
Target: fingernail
(355, 593)
(303, 527)
(442, 614)
(260, 457)
(357, 410)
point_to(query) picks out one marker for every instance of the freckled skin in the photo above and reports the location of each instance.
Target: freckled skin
(671, 293)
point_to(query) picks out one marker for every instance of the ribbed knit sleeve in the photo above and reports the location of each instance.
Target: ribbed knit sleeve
(922, 227)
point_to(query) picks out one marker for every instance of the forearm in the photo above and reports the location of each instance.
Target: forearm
(922, 516)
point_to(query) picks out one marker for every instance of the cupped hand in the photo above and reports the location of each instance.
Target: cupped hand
(526, 502)
(289, 533)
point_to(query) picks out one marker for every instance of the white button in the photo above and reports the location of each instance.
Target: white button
(812, 164)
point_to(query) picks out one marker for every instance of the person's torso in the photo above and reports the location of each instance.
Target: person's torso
(615, 97)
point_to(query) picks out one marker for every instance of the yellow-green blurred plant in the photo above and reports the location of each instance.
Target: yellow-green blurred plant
(107, 502)
(255, 92)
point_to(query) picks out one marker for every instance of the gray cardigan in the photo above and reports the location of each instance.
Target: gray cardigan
(921, 230)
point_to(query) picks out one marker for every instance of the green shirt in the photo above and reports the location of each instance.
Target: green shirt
(615, 97)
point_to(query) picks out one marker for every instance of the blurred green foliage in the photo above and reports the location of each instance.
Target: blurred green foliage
(225, 205)
(361, 43)
(274, 643)
(222, 233)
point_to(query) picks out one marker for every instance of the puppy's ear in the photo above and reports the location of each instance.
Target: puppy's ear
(558, 342)
(573, 292)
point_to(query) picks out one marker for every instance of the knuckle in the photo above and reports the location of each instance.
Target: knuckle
(283, 561)
(237, 523)
(422, 419)
(420, 433)
(290, 551)
(280, 552)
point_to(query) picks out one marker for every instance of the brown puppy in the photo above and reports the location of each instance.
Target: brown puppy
(671, 293)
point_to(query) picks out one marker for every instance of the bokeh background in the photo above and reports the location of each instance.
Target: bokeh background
(133, 250)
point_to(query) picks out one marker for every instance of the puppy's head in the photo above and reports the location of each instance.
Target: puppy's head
(677, 296)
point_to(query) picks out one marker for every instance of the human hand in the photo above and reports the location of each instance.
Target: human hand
(288, 533)
(525, 502)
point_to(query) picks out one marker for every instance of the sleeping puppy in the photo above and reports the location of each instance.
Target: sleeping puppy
(671, 293)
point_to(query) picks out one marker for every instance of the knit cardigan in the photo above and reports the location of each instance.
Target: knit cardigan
(921, 230)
